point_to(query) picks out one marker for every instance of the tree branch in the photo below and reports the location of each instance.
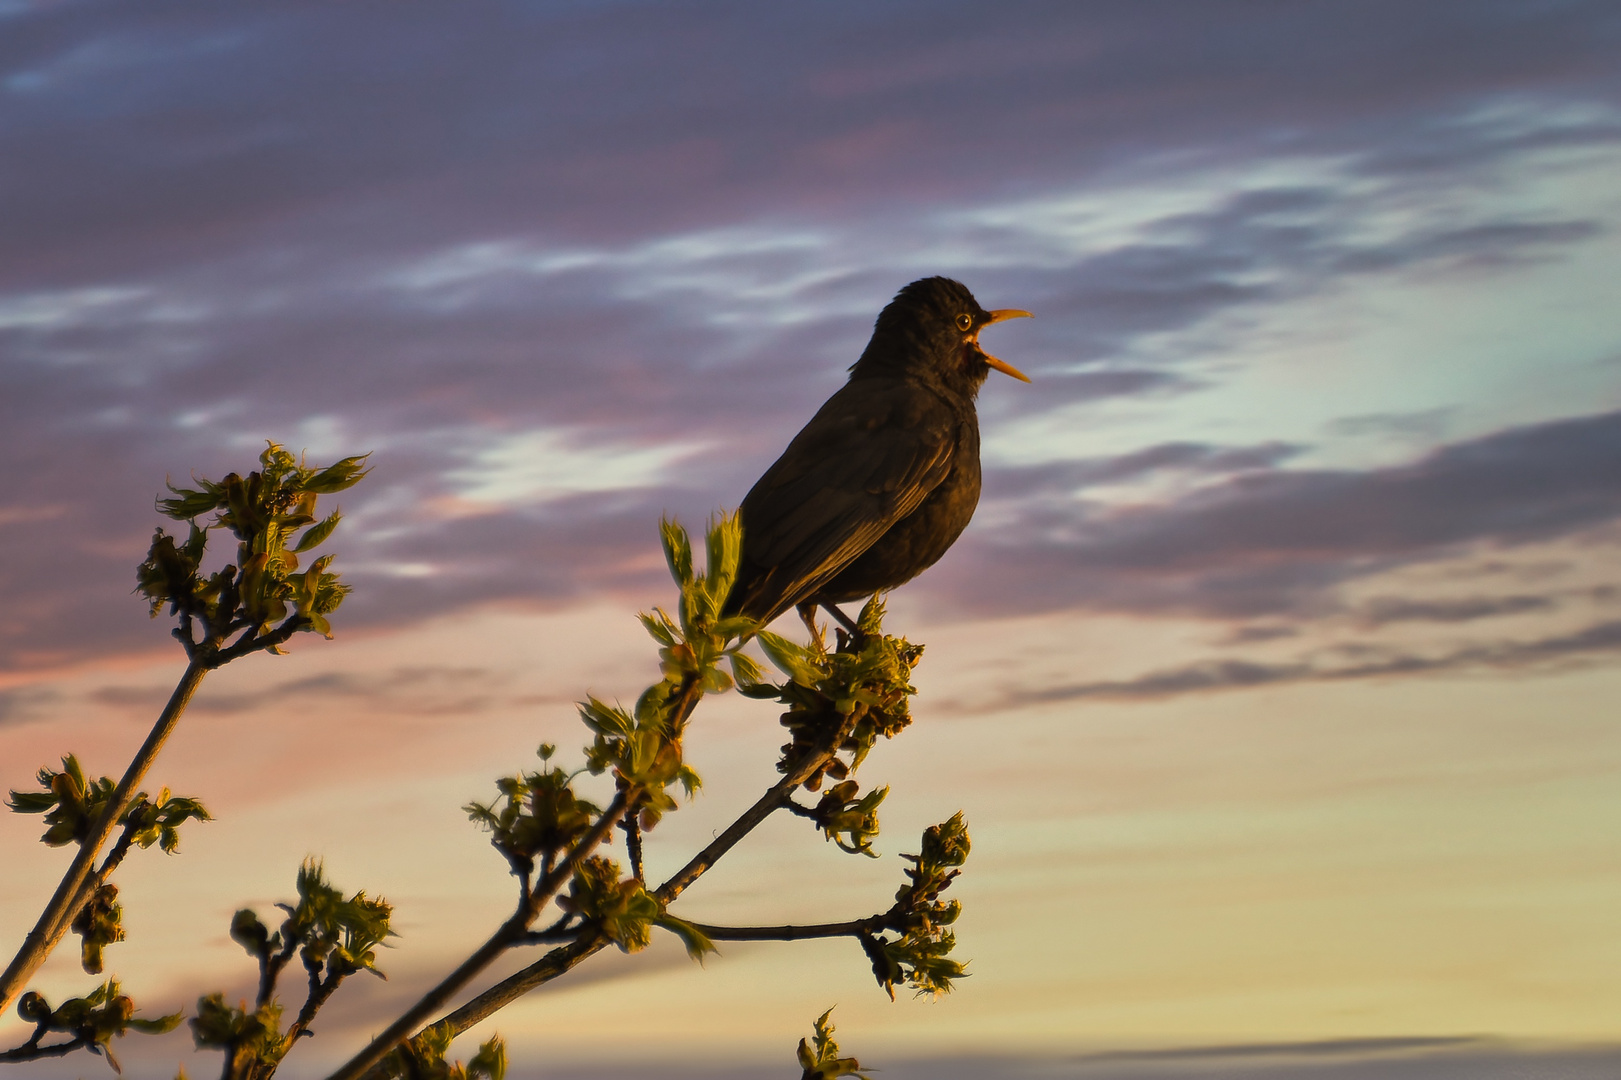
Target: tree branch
(563, 959)
(560, 960)
(509, 934)
(555, 963)
(563, 929)
(71, 894)
(367, 1064)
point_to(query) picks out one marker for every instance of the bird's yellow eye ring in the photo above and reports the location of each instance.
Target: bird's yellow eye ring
(965, 321)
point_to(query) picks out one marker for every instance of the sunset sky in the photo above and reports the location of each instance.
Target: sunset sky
(1277, 674)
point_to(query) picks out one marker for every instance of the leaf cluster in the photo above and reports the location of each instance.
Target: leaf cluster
(536, 815)
(157, 821)
(865, 682)
(72, 803)
(847, 817)
(920, 956)
(693, 645)
(623, 911)
(332, 935)
(251, 1038)
(91, 1021)
(422, 1057)
(98, 924)
(642, 747)
(819, 1055)
(263, 595)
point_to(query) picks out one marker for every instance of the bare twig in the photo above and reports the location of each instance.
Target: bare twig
(565, 928)
(555, 963)
(320, 991)
(121, 848)
(854, 928)
(633, 846)
(270, 967)
(251, 642)
(32, 1051)
(776, 797)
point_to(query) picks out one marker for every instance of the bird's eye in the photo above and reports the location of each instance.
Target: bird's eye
(965, 321)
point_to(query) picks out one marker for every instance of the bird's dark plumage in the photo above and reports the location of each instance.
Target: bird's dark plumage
(885, 476)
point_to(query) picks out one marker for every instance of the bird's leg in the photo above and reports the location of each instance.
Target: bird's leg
(807, 612)
(856, 636)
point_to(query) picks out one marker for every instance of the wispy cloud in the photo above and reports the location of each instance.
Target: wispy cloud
(411, 690)
(1598, 641)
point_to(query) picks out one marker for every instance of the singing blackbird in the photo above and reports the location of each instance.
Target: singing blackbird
(885, 476)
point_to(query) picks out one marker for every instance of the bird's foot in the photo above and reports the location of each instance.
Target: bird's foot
(807, 613)
(851, 636)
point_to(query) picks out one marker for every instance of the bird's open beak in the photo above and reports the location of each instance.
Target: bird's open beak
(1002, 365)
(1003, 314)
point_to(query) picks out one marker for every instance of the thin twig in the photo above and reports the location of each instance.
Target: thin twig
(320, 991)
(250, 642)
(562, 930)
(633, 846)
(121, 847)
(854, 928)
(773, 799)
(32, 1051)
(271, 965)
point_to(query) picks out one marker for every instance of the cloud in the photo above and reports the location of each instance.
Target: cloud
(1598, 641)
(1278, 541)
(539, 466)
(405, 689)
(599, 262)
(24, 703)
(1389, 609)
(1198, 459)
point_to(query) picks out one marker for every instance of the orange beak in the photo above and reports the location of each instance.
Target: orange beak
(1002, 365)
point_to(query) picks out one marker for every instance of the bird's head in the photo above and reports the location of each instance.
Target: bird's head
(930, 331)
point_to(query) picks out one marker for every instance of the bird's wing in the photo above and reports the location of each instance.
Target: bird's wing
(867, 459)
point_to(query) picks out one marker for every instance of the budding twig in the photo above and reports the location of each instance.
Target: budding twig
(72, 893)
(509, 934)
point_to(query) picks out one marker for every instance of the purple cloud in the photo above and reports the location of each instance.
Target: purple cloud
(660, 235)
(1275, 542)
(1600, 641)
